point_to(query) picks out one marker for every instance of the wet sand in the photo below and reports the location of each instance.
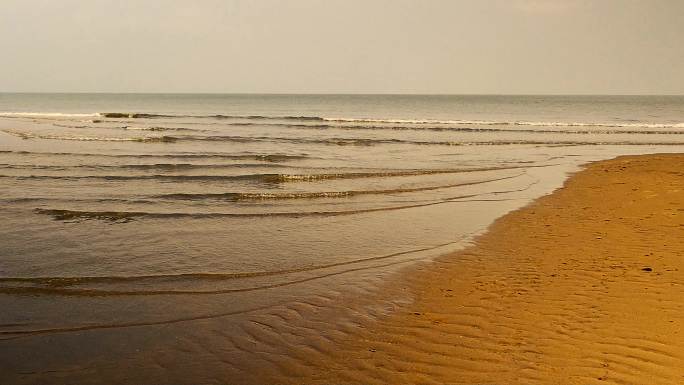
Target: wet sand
(585, 285)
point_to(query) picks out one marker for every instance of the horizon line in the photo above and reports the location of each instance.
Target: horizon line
(328, 93)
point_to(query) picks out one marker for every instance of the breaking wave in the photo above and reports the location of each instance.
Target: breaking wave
(140, 115)
(332, 141)
(130, 128)
(457, 129)
(509, 123)
(129, 115)
(406, 121)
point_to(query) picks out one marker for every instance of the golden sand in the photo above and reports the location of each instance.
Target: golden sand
(583, 286)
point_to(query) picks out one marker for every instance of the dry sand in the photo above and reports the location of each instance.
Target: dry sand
(583, 286)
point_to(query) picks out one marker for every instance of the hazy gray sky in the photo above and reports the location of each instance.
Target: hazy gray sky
(346, 46)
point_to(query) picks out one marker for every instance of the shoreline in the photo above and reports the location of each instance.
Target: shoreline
(580, 286)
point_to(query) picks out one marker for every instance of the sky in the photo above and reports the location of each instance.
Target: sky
(343, 46)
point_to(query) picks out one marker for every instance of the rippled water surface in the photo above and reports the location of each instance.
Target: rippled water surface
(138, 217)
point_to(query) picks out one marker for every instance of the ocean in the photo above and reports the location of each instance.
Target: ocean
(194, 237)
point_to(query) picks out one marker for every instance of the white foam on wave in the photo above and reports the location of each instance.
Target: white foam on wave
(388, 121)
(508, 123)
(411, 121)
(616, 125)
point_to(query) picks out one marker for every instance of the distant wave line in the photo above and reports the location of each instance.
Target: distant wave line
(11, 114)
(141, 115)
(409, 121)
(264, 157)
(130, 128)
(455, 129)
(510, 123)
(331, 141)
(361, 127)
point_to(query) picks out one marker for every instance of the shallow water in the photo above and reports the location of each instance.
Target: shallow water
(125, 214)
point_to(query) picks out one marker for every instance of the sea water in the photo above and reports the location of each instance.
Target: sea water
(131, 218)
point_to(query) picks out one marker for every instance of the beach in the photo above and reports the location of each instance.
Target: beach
(582, 286)
(228, 238)
(341, 192)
